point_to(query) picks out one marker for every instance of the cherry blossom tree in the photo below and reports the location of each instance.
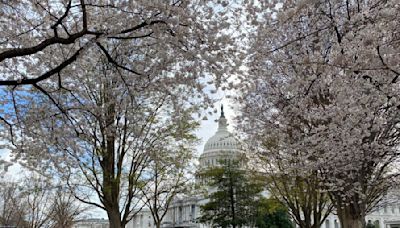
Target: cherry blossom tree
(102, 147)
(42, 39)
(45, 43)
(323, 81)
(90, 87)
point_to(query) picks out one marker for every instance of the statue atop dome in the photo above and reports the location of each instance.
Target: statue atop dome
(222, 122)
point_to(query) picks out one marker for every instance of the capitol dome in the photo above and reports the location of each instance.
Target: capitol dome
(222, 146)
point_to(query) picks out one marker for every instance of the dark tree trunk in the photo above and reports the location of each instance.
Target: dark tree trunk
(349, 218)
(114, 218)
(232, 199)
(110, 167)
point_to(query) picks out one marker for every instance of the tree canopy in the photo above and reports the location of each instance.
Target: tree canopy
(323, 81)
(91, 89)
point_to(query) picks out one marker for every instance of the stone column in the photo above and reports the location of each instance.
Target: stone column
(331, 224)
(381, 225)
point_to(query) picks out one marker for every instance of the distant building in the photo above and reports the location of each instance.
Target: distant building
(142, 219)
(91, 223)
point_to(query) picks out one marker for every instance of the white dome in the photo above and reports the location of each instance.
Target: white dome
(222, 139)
(221, 146)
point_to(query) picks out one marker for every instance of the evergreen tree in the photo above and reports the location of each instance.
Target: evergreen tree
(371, 225)
(232, 196)
(272, 214)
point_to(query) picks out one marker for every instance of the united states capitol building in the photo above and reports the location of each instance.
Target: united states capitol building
(185, 210)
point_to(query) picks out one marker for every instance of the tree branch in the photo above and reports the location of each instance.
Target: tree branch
(111, 60)
(48, 74)
(386, 66)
